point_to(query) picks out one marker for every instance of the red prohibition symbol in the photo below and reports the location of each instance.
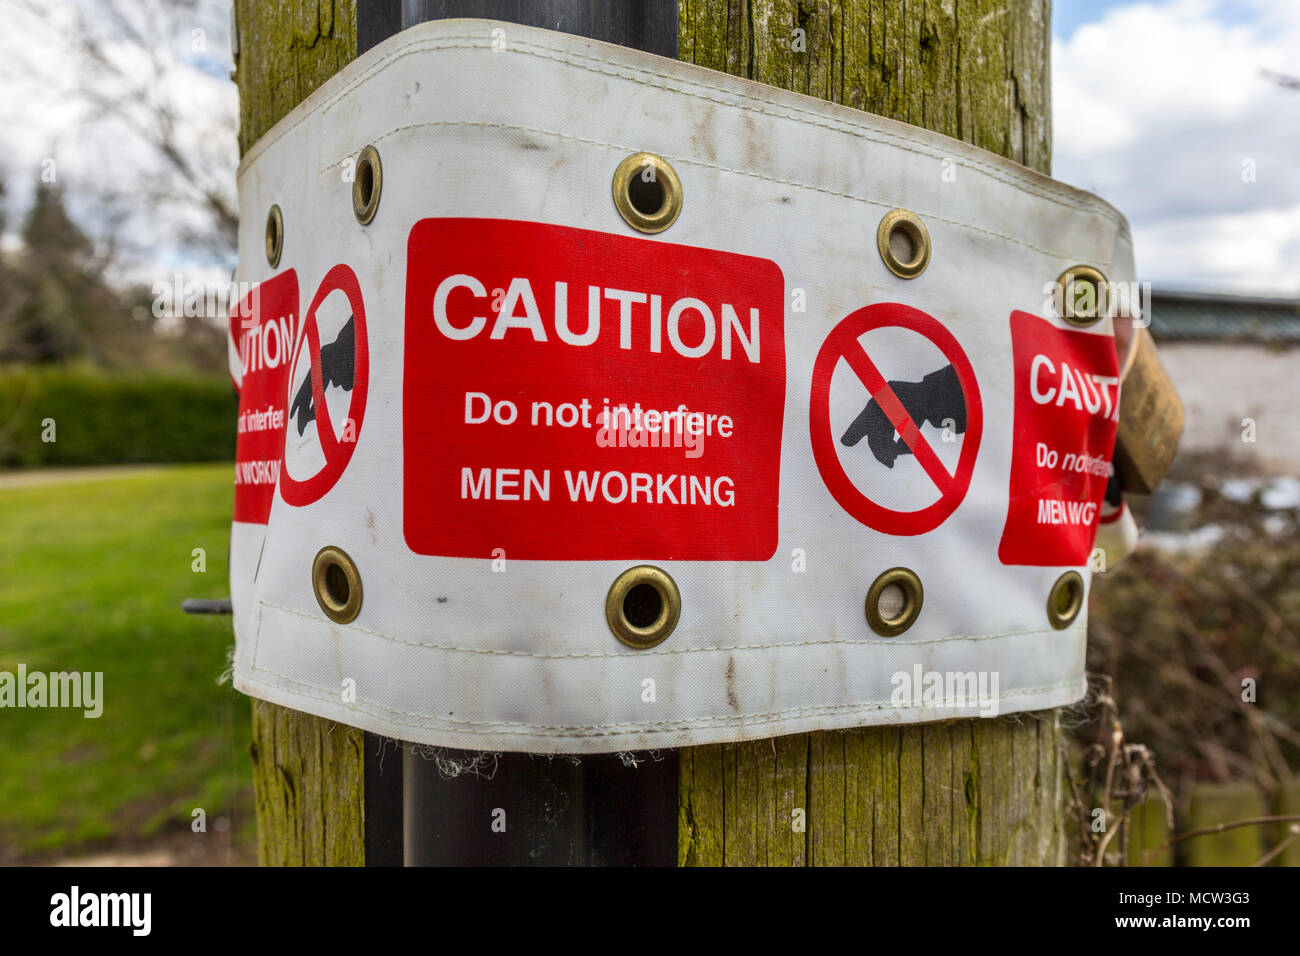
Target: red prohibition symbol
(842, 343)
(338, 451)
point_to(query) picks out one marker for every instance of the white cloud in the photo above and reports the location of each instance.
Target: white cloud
(1248, 253)
(1157, 105)
(1161, 108)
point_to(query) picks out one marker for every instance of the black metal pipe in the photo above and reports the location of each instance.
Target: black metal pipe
(377, 20)
(383, 795)
(513, 808)
(516, 809)
(649, 25)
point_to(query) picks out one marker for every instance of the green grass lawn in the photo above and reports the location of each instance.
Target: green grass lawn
(92, 574)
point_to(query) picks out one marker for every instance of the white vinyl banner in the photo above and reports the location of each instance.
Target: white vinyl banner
(515, 475)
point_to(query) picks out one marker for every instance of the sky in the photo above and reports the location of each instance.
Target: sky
(116, 185)
(1161, 107)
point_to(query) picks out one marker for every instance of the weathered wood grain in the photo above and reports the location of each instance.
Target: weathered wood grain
(957, 793)
(976, 70)
(308, 780)
(286, 50)
(307, 772)
(961, 792)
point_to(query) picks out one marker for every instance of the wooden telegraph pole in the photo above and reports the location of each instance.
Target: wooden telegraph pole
(951, 793)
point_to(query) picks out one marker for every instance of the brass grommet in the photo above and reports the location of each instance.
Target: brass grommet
(367, 184)
(337, 584)
(913, 597)
(274, 235)
(907, 227)
(643, 606)
(1065, 600)
(1070, 284)
(647, 192)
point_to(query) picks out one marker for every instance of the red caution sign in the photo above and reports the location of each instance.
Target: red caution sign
(328, 384)
(881, 375)
(1066, 415)
(263, 326)
(576, 395)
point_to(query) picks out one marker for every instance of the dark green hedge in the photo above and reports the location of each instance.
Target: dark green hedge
(104, 419)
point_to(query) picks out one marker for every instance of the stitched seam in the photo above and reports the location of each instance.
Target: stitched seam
(1103, 264)
(636, 74)
(604, 730)
(656, 652)
(257, 635)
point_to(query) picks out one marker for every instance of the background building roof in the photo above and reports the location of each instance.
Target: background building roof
(1198, 316)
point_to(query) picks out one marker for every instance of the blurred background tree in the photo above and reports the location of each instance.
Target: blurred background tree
(60, 304)
(134, 184)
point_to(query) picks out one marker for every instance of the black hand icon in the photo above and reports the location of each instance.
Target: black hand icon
(936, 399)
(337, 367)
